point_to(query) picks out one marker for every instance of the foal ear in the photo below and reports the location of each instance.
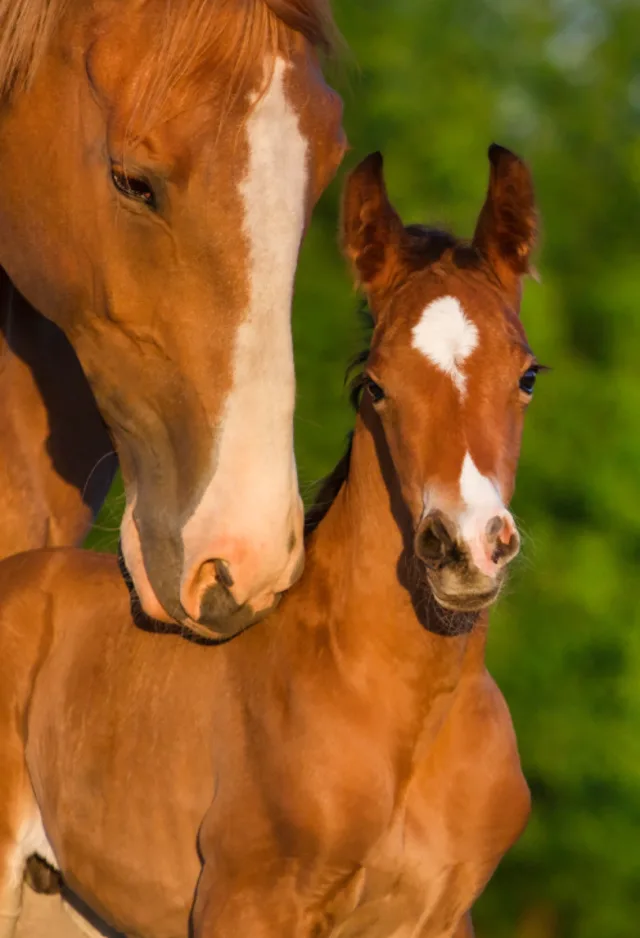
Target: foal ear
(507, 228)
(371, 227)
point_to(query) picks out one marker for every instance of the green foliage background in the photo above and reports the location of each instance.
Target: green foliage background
(431, 83)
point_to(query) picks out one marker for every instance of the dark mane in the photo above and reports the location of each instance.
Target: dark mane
(425, 246)
(328, 488)
(184, 33)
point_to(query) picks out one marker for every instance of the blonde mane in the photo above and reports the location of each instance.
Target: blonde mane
(25, 28)
(185, 31)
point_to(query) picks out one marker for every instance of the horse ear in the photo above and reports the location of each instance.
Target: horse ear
(507, 229)
(371, 228)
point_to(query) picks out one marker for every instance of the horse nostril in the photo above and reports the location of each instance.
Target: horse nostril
(223, 573)
(217, 607)
(503, 541)
(504, 552)
(494, 527)
(434, 544)
(430, 548)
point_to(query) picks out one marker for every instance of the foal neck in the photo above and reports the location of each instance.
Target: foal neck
(373, 590)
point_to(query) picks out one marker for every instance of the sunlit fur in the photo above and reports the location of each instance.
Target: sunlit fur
(346, 767)
(185, 33)
(177, 304)
(446, 337)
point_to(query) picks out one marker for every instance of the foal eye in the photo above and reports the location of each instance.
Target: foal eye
(376, 392)
(133, 187)
(528, 381)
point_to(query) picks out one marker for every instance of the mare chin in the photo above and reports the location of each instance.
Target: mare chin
(234, 623)
(219, 629)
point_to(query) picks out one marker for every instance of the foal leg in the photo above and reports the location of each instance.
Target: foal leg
(21, 831)
(22, 834)
(18, 837)
(465, 928)
(11, 873)
(16, 805)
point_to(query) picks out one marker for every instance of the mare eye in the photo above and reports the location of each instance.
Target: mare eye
(528, 381)
(376, 392)
(133, 187)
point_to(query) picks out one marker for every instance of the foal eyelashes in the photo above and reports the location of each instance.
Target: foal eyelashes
(375, 391)
(528, 379)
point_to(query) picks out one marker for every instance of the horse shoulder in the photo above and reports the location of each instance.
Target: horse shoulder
(467, 803)
(25, 620)
(40, 591)
(307, 783)
(483, 726)
(26, 638)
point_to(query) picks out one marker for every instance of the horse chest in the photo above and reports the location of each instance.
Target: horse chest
(463, 809)
(411, 886)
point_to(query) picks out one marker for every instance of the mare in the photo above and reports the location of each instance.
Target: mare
(159, 163)
(348, 767)
(56, 458)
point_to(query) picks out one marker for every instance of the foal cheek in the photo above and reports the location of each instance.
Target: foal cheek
(510, 457)
(412, 482)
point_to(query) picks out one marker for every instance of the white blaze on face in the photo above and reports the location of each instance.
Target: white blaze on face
(447, 337)
(251, 504)
(482, 502)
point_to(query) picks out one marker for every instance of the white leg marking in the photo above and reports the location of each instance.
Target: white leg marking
(34, 840)
(446, 336)
(31, 839)
(254, 485)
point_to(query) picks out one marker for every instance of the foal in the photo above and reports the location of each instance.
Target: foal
(349, 768)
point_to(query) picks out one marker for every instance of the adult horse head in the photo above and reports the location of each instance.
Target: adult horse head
(159, 162)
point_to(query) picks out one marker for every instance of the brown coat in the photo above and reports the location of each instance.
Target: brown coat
(347, 767)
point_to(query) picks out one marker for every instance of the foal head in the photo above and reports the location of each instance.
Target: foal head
(157, 174)
(450, 373)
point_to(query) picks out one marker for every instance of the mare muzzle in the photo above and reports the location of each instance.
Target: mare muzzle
(221, 617)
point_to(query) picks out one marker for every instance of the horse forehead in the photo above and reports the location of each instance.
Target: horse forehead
(319, 105)
(319, 111)
(275, 184)
(446, 335)
(278, 104)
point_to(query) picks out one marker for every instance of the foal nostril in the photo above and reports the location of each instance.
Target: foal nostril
(494, 527)
(503, 553)
(503, 540)
(434, 543)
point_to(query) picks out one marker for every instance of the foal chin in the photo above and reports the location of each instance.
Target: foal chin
(464, 578)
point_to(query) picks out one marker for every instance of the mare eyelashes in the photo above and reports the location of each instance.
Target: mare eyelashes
(133, 187)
